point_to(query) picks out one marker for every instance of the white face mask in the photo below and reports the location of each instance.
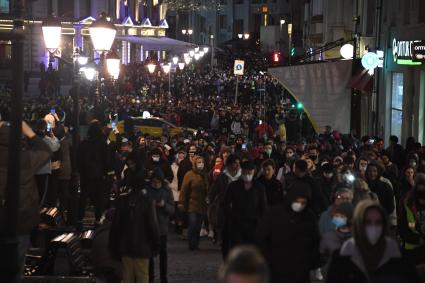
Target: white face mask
(373, 233)
(247, 178)
(297, 207)
(155, 159)
(200, 166)
(328, 175)
(363, 168)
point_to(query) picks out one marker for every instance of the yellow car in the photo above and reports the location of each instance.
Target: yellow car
(153, 126)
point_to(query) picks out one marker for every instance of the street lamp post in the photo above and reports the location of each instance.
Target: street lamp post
(167, 70)
(187, 32)
(102, 33)
(212, 50)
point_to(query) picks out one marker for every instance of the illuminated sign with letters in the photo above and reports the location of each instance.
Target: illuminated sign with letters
(404, 52)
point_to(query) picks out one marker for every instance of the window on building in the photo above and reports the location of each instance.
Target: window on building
(421, 17)
(223, 21)
(239, 26)
(317, 7)
(397, 104)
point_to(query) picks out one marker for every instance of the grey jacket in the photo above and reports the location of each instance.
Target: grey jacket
(54, 146)
(163, 213)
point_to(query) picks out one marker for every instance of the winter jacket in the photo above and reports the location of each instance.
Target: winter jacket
(134, 231)
(325, 221)
(290, 243)
(93, 158)
(184, 167)
(243, 210)
(35, 156)
(384, 193)
(410, 223)
(348, 266)
(54, 146)
(163, 213)
(273, 189)
(194, 192)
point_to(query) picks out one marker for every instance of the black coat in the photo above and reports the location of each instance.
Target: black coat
(290, 242)
(385, 194)
(243, 210)
(273, 189)
(93, 158)
(184, 167)
(135, 230)
(394, 269)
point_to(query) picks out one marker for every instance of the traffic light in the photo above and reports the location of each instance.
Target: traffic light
(276, 57)
(292, 51)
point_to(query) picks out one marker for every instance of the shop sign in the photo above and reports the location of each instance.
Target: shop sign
(239, 67)
(418, 51)
(403, 52)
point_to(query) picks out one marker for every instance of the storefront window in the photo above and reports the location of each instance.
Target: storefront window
(397, 104)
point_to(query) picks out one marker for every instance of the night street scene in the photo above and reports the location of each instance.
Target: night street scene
(212, 141)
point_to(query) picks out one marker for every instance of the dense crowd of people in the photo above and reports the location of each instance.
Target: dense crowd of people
(329, 206)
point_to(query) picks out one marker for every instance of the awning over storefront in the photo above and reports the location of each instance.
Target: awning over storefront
(323, 90)
(158, 43)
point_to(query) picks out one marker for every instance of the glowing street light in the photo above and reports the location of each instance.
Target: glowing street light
(102, 33)
(191, 53)
(240, 35)
(206, 49)
(175, 60)
(246, 36)
(196, 49)
(197, 56)
(52, 34)
(113, 64)
(89, 73)
(151, 67)
(187, 60)
(190, 31)
(166, 68)
(181, 66)
(201, 53)
(184, 31)
(346, 51)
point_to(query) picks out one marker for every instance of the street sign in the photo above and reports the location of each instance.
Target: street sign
(239, 67)
(418, 51)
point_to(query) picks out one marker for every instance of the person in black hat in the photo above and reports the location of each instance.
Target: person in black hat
(327, 181)
(289, 237)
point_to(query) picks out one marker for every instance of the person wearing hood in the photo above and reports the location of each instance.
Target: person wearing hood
(244, 205)
(332, 240)
(33, 157)
(160, 193)
(273, 188)
(412, 224)
(231, 173)
(370, 255)
(326, 223)
(158, 162)
(288, 236)
(381, 189)
(193, 198)
(327, 181)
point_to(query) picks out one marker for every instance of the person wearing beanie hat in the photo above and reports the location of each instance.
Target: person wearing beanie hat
(289, 238)
(333, 240)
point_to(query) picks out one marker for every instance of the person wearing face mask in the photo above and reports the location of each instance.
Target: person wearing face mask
(157, 162)
(342, 219)
(231, 173)
(193, 197)
(370, 256)
(412, 225)
(244, 205)
(186, 164)
(161, 195)
(326, 224)
(289, 238)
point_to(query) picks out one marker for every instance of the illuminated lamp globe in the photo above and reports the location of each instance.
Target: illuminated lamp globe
(175, 60)
(113, 64)
(187, 60)
(102, 33)
(52, 33)
(151, 67)
(166, 68)
(181, 65)
(347, 51)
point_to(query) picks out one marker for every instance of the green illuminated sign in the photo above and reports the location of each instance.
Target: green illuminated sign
(407, 62)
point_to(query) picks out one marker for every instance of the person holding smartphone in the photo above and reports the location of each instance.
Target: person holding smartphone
(51, 118)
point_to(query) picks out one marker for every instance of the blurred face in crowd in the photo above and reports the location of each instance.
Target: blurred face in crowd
(225, 155)
(234, 167)
(343, 197)
(310, 164)
(372, 173)
(385, 159)
(409, 173)
(268, 172)
(360, 185)
(313, 154)
(374, 225)
(337, 162)
(132, 165)
(192, 151)
(363, 165)
(289, 153)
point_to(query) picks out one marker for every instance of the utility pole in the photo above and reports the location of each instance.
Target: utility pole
(9, 261)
